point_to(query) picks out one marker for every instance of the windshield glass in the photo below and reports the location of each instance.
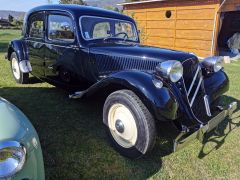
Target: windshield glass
(106, 28)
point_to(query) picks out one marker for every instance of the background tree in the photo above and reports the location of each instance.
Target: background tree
(18, 23)
(49, 1)
(81, 2)
(116, 9)
(10, 18)
(112, 8)
(131, 0)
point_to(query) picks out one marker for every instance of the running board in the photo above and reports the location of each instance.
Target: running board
(90, 90)
(77, 95)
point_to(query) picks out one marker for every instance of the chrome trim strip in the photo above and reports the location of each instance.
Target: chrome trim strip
(195, 94)
(67, 46)
(194, 79)
(208, 110)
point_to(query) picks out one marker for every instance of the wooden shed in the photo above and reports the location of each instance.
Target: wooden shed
(199, 26)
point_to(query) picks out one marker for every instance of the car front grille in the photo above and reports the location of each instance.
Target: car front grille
(192, 75)
(195, 91)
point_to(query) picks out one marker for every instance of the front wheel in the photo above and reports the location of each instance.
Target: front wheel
(20, 77)
(130, 125)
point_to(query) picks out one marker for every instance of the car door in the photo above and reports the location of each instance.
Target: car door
(62, 50)
(35, 43)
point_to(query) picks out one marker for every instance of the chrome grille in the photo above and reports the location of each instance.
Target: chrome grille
(195, 91)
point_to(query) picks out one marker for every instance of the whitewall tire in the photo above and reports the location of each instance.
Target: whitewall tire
(130, 126)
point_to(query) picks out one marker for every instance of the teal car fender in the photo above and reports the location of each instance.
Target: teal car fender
(16, 129)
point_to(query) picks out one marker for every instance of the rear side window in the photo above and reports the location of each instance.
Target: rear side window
(60, 28)
(36, 28)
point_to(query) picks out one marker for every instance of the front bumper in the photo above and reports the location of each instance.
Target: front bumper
(185, 137)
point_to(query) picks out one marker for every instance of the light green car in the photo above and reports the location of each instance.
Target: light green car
(20, 150)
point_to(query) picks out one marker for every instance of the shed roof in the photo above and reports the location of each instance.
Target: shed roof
(139, 2)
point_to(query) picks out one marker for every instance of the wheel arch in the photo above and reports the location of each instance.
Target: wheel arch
(160, 102)
(20, 48)
(9, 53)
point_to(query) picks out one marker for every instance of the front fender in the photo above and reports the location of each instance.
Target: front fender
(216, 85)
(160, 102)
(15, 126)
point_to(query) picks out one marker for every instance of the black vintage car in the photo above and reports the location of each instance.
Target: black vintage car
(93, 50)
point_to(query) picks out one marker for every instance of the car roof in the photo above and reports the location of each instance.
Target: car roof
(79, 10)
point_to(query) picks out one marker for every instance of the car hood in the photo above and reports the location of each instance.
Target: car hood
(14, 124)
(112, 57)
(125, 49)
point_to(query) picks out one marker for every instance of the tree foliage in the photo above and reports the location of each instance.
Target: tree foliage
(131, 0)
(80, 2)
(10, 18)
(112, 8)
(49, 1)
(18, 23)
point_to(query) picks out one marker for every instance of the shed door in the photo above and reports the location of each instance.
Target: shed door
(229, 36)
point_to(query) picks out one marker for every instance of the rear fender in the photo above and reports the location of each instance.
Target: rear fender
(20, 48)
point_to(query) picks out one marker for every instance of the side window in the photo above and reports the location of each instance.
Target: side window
(36, 28)
(60, 28)
(101, 30)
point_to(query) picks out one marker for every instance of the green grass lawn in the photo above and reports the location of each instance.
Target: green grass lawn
(75, 145)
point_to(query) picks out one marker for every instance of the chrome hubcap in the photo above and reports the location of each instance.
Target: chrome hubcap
(119, 126)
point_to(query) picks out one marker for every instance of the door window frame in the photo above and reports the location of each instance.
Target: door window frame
(29, 24)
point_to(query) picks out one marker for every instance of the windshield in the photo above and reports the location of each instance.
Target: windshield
(107, 28)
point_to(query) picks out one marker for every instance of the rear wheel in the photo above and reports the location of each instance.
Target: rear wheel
(20, 77)
(130, 126)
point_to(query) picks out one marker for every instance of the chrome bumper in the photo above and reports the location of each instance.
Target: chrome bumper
(184, 138)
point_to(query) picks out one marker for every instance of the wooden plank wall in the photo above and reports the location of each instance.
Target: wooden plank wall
(190, 28)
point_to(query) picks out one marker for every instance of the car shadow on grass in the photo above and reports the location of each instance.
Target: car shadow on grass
(34, 80)
(73, 139)
(219, 135)
(3, 47)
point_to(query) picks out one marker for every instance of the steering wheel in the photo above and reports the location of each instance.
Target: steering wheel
(123, 33)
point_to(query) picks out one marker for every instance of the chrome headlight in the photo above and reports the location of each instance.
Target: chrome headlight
(171, 69)
(12, 158)
(213, 64)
